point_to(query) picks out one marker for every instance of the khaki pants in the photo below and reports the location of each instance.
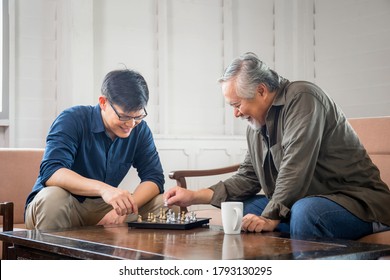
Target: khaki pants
(55, 208)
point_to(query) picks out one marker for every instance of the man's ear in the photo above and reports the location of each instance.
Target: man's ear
(261, 89)
(102, 102)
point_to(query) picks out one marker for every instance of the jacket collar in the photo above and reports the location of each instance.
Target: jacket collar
(280, 98)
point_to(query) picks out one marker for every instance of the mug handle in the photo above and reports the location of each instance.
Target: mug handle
(238, 212)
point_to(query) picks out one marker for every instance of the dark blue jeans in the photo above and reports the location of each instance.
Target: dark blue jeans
(315, 217)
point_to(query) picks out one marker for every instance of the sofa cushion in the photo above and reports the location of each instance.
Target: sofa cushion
(383, 163)
(19, 171)
(374, 133)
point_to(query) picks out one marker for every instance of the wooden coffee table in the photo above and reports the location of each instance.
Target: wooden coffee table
(208, 242)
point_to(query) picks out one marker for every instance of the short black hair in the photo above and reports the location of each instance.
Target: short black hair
(127, 89)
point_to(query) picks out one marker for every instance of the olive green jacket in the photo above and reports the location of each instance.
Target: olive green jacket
(315, 152)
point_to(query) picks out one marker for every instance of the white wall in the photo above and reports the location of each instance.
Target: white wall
(61, 50)
(352, 54)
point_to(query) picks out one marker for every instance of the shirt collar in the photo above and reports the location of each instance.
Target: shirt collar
(97, 124)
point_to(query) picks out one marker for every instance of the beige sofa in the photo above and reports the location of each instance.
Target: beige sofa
(18, 172)
(19, 169)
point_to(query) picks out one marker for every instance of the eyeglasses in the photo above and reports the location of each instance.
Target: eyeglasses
(129, 118)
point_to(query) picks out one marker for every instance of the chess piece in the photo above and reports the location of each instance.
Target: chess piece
(169, 216)
(139, 220)
(183, 216)
(164, 216)
(178, 217)
(193, 215)
(161, 214)
(173, 218)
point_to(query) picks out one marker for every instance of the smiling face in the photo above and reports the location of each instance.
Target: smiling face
(253, 110)
(111, 115)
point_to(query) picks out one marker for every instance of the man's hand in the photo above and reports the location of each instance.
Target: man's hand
(121, 200)
(253, 223)
(179, 196)
(184, 197)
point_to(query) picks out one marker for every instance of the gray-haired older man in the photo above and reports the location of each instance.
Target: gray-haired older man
(317, 177)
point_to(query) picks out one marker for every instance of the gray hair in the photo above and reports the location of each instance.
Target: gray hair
(249, 71)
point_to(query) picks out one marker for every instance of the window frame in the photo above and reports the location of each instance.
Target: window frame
(4, 109)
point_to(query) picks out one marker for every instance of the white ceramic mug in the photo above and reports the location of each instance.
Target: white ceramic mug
(231, 212)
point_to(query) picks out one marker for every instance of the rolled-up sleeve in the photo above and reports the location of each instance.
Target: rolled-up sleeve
(239, 187)
(61, 146)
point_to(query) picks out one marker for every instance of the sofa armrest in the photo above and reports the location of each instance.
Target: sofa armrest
(7, 211)
(181, 175)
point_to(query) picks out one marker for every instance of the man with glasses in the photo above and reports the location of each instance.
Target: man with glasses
(89, 150)
(317, 178)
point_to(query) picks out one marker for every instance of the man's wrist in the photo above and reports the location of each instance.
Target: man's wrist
(202, 196)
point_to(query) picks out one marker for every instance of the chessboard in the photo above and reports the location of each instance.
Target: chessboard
(174, 225)
(169, 220)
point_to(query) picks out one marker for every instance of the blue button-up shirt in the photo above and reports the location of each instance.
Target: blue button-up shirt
(78, 141)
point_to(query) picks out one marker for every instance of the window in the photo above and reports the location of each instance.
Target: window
(4, 51)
